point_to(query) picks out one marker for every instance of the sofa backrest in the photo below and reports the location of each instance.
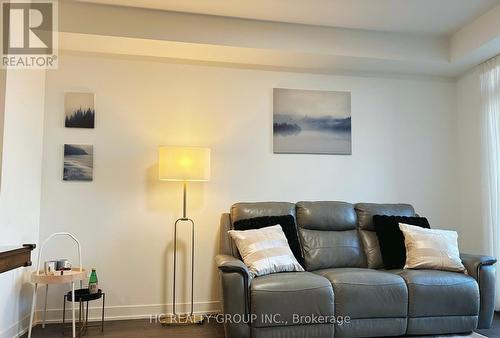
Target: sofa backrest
(365, 213)
(328, 234)
(332, 234)
(258, 209)
(246, 210)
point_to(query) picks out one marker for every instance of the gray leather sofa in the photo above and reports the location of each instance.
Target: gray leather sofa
(344, 278)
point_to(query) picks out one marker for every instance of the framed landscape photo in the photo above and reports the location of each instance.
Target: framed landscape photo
(78, 162)
(79, 110)
(311, 122)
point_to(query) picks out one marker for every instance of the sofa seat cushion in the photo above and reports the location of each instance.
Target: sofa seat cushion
(359, 293)
(290, 298)
(435, 293)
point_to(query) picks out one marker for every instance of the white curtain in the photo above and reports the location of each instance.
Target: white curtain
(490, 111)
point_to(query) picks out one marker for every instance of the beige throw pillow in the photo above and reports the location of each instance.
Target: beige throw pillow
(431, 249)
(265, 250)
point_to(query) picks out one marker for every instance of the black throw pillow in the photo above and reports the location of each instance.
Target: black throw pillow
(392, 240)
(287, 223)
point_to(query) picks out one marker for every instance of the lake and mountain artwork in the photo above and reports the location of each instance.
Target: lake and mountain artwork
(79, 110)
(311, 122)
(78, 162)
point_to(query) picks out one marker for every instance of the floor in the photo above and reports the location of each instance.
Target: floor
(143, 328)
(494, 331)
(135, 329)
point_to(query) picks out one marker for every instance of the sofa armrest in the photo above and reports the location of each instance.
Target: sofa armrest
(482, 269)
(229, 263)
(235, 282)
(473, 263)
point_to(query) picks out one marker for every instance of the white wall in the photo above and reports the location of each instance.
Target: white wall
(404, 150)
(473, 228)
(3, 81)
(20, 189)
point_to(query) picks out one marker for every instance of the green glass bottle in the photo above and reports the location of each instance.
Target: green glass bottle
(93, 288)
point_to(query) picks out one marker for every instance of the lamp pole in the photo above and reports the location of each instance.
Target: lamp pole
(184, 183)
(191, 318)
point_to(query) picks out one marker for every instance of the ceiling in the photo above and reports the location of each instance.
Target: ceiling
(443, 38)
(436, 17)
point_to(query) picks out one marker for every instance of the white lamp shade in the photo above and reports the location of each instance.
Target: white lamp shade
(177, 163)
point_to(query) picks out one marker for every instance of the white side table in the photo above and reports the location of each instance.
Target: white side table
(69, 276)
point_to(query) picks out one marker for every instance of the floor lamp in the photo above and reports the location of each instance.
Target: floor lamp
(183, 164)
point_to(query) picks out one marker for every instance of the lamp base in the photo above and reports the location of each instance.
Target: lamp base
(184, 319)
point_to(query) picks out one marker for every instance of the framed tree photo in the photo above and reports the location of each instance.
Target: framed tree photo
(79, 110)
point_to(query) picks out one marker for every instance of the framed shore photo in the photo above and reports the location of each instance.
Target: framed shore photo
(78, 162)
(311, 122)
(79, 110)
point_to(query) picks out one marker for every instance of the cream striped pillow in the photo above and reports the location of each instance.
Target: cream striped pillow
(431, 249)
(265, 250)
